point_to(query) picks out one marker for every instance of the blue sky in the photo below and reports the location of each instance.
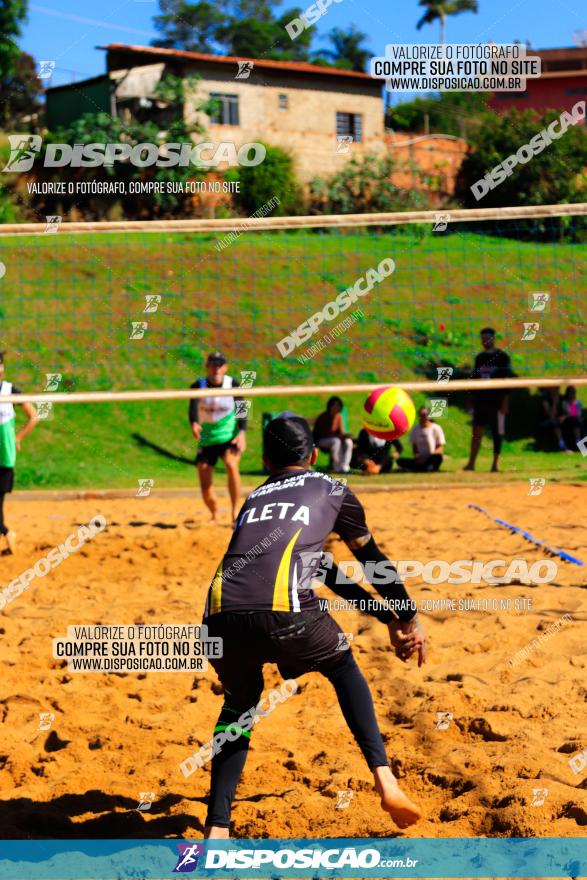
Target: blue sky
(68, 32)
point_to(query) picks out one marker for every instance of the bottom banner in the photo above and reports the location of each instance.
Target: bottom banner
(335, 857)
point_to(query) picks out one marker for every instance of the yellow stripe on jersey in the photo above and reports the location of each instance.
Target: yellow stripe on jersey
(216, 592)
(281, 591)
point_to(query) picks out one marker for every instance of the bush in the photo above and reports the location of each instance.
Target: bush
(169, 126)
(556, 175)
(9, 212)
(273, 178)
(363, 187)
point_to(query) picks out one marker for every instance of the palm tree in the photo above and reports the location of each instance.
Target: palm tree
(348, 49)
(440, 9)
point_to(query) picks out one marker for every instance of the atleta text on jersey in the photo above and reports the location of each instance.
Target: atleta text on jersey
(276, 546)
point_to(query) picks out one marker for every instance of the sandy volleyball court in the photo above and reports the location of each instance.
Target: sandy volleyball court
(116, 737)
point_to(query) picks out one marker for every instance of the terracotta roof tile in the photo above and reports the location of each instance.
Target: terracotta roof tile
(294, 66)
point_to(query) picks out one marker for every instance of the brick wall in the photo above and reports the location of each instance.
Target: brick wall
(426, 162)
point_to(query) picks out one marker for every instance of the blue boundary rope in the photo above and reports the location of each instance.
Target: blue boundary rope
(528, 537)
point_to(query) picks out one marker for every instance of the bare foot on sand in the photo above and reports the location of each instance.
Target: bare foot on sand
(401, 809)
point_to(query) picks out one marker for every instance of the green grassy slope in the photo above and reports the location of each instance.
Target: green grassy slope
(67, 304)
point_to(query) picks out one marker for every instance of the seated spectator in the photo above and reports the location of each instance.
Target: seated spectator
(570, 419)
(427, 439)
(372, 455)
(329, 435)
(549, 417)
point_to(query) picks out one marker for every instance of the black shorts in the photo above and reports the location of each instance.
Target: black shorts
(298, 642)
(211, 454)
(6, 480)
(485, 416)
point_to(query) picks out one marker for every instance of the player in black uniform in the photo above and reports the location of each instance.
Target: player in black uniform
(266, 612)
(489, 407)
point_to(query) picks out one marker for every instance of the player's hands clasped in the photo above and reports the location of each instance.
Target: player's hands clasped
(407, 638)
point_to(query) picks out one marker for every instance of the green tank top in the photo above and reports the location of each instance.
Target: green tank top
(217, 416)
(7, 430)
(222, 431)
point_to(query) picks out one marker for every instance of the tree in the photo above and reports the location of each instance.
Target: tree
(20, 91)
(188, 26)
(348, 48)
(454, 113)
(104, 128)
(12, 14)
(246, 28)
(440, 9)
(554, 175)
(275, 176)
(259, 38)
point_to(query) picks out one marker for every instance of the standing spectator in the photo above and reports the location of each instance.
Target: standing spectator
(10, 442)
(330, 435)
(428, 442)
(570, 419)
(489, 407)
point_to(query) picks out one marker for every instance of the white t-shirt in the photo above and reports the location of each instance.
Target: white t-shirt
(427, 439)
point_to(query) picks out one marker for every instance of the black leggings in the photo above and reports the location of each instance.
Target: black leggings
(3, 527)
(432, 463)
(489, 418)
(496, 436)
(355, 701)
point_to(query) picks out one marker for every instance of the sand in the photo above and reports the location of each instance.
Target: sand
(116, 736)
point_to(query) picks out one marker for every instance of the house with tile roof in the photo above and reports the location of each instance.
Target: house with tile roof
(323, 116)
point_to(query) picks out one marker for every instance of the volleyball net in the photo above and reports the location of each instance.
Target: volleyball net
(302, 307)
(393, 297)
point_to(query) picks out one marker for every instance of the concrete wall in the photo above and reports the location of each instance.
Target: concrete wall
(307, 129)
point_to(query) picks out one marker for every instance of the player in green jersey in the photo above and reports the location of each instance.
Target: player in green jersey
(10, 441)
(219, 425)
